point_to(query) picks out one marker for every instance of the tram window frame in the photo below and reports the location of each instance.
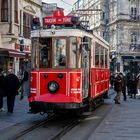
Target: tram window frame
(97, 57)
(34, 56)
(102, 58)
(106, 58)
(53, 52)
(45, 42)
(77, 52)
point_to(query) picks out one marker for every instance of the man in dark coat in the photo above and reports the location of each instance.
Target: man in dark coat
(118, 86)
(133, 85)
(123, 86)
(1, 91)
(11, 85)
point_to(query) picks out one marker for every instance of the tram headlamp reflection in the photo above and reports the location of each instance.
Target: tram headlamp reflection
(53, 86)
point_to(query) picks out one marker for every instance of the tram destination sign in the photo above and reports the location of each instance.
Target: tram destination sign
(58, 18)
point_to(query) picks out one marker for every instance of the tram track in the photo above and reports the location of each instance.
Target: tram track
(32, 128)
(69, 123)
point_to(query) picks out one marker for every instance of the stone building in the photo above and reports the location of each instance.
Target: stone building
(118, 22)
(15, 26)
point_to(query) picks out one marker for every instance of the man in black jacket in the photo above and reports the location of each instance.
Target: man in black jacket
(1, 91)
(11, 85)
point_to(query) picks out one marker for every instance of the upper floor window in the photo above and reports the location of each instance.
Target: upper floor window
(4, 10)
(27, 18)
(134, 11)
(16, 11)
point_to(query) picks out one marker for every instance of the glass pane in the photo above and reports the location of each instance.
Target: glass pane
(73, 52)
(59, 52)
(106, 58)
(45, 52)
(96, 54)
(35, 45)
(102, 58)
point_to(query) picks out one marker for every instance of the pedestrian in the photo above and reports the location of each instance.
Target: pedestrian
(11, 85)
(111, 80)
(25, 84)
(128, 83)
(133, 86)
(118, 84)
(138, 84)
(123, 85)
(1, 90)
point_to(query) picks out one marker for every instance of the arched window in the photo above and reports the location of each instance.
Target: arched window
(4, 10)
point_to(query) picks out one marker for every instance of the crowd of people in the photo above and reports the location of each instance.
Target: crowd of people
(122, 83)
(11, 85)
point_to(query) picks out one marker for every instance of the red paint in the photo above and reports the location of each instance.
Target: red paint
(57, 18)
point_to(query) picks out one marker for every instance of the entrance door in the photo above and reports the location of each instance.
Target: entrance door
(86, 70)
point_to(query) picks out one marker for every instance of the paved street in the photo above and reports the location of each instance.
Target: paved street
(20, 114)
(122, 122)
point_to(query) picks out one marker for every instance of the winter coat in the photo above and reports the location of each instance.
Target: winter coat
(1, 83)
(118, 85)
(11, 85)
(138, 82)
(25, 84)
(133, 85)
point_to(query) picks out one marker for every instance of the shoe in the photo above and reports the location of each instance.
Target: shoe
(117, 102)
(2, 109)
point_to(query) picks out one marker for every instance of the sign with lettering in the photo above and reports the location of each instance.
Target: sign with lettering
(57, 18)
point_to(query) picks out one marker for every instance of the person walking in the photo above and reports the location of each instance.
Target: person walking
(25, 84)
(133, 86)
(123, 86)
(1, 90)
(11, 85)
(118, 84)
(138, 84)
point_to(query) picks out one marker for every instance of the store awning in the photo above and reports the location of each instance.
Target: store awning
(11, 53)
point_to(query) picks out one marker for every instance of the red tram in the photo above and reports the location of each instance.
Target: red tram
(70, 66)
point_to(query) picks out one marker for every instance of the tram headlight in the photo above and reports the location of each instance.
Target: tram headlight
(53, 86)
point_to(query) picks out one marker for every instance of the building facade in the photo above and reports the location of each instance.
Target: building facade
(118, 22)
(15, 26)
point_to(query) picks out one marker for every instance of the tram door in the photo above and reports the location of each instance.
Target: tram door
(85, 68)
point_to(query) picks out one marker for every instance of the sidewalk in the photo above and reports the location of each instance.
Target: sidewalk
(121, 123)
(20, 113)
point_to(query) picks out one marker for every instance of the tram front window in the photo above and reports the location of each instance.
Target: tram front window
(44, 52)
(60, 52)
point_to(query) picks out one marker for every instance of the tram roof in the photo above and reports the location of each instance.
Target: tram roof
(66, 33)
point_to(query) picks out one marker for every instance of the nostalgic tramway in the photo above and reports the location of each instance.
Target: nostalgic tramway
(70, 66)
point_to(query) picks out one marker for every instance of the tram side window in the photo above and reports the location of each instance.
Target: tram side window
(60, 52)
(73, 52)
(97, 49)
(106, 58)
(35, 46)
(44, 49)
(102, 57)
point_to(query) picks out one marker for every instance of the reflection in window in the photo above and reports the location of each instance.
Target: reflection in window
(106, 58)
(102, 58)
(96, 54)
(60, 52)
(45, 57)
(73, 52)
(35, 45)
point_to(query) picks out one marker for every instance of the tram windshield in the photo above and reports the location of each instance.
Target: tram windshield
(56, 52)
(59, 52)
